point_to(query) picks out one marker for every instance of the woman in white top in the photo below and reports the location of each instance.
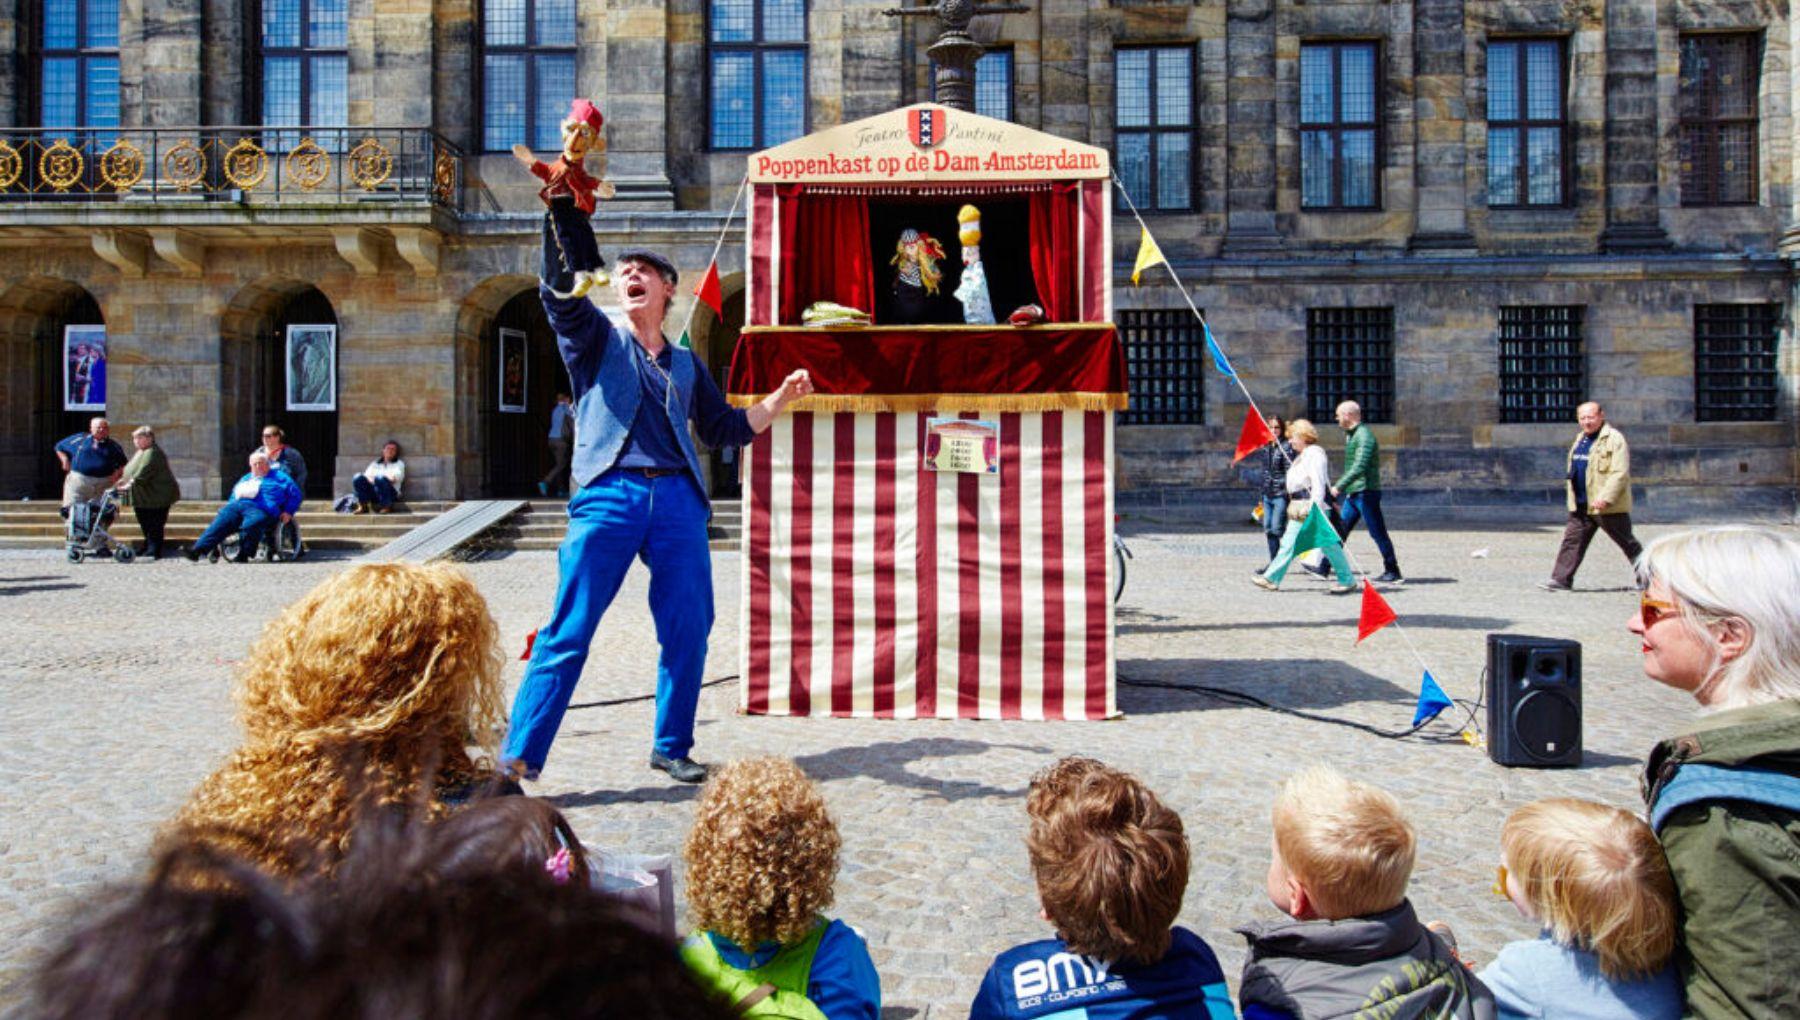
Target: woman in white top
(379, 484)
(1309, 478)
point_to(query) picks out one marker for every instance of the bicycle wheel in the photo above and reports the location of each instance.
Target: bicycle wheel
(1119, 573)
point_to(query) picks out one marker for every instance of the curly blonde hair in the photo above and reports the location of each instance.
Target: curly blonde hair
(762, 856)
(370, 688)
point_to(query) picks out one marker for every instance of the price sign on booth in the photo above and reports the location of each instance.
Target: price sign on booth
(962, 445)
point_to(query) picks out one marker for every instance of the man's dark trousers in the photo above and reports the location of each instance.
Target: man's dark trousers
(1580, 531)
(1367, 504)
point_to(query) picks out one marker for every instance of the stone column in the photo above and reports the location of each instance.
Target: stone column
(12, 68)
(159, 63)
(1633, 221)
(1790, 240)
(226, 48)
(1067, 105)
(1250, 126)
(1440, 106)
(635, 101)
(402, 61)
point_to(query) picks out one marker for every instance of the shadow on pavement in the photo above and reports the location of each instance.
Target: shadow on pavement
(670, 792)
(1132, 621)
(1306, 685)
(27, 589)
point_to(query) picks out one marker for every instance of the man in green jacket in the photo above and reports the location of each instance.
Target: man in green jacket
(1598, 483)
(1360, 488)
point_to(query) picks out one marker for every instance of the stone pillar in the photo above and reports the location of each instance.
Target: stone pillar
(1250, 126)
(228, 45)
(1790, 240)
(1633, 220)
(1441, 223)
(1067, 104)
(159, 63)
(401, 65)
(454, 100)
(12, 64)
(635, 101)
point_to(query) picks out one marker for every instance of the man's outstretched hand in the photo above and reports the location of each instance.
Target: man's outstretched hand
(798, 384)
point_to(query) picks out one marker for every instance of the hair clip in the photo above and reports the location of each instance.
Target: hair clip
(559, 865)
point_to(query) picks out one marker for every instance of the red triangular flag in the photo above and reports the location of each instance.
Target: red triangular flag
(1376, 613)
(530, 640)
(1255, 436)
(709, 291)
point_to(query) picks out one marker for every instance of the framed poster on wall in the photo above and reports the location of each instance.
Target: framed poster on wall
(311, 368)
(84, 368)
(512, 371)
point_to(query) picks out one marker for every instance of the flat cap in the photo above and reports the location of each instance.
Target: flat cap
(645, 255)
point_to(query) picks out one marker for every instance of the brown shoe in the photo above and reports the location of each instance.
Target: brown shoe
(361, 508)
(384, 509)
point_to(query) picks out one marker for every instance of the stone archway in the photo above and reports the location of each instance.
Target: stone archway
(485, 435)
(254, 371)
(35, 314)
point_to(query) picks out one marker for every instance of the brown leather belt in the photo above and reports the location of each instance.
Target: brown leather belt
(652, 472)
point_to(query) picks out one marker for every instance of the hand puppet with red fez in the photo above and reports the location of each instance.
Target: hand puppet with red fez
(568, 176)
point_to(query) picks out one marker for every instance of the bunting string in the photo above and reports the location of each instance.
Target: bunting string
(712, 263)
(1375, 613)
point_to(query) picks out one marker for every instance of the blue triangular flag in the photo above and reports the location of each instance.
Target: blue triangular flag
(1218, 354)
(1432, 700)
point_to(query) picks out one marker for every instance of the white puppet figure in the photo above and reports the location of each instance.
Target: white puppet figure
(972, 291)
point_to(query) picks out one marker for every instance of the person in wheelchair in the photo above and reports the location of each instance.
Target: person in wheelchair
(260, 500)
(283, 539)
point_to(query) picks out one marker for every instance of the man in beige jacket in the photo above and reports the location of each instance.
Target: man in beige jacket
(1599, 490)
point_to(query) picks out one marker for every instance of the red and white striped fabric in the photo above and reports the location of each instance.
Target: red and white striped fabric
(872, 587)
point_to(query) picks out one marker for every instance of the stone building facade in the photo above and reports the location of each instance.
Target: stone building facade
(1627, 269)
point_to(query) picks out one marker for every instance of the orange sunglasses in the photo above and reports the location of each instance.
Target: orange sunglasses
(1653, 610)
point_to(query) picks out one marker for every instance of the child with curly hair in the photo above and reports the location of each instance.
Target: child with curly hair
(1595, 878)
(762, 859)
(369, 689)
(1111, 863)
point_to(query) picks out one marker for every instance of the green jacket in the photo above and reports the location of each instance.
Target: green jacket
(1737, 867)
(1362, 462)
(153, 485)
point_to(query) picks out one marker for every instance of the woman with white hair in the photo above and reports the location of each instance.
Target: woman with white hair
(151, 488)
(1719, 617)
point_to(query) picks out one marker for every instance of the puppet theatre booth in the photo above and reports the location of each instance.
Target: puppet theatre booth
(930, 533)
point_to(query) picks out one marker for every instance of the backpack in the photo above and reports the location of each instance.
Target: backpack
(776, 990)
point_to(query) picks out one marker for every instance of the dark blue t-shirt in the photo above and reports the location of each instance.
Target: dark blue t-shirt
(1044, 981)
(1578, 469)
(96, 459)
(651, 442)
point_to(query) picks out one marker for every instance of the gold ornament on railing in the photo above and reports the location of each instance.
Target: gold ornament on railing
(122, 166)
(61, 165)
(443, 178)
(246, 164)
(12, 166)
(370, 164)
(184, 165)
(308, 165)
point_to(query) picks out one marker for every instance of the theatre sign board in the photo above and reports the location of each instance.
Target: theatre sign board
(924, 144)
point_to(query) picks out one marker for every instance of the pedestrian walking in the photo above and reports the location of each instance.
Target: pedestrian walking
(1598, 485)
(1278, 456)
(151, 488)
(562, 443)
(1360, 488)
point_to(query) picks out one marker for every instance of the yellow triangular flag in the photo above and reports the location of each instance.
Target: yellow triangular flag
(1148, 255)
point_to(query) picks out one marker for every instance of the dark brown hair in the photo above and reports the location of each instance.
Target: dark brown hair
(498, 833)
(1111, 864)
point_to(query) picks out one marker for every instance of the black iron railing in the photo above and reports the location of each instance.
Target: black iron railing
(254, 165)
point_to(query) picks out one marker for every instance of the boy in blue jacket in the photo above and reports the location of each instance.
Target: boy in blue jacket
(1111, 864)
(258, 500)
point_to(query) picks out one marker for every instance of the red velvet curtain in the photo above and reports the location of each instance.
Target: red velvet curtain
(1053, 250)
(824, 252)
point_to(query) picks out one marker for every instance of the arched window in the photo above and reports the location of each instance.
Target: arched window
(527, 72)
(305, 65)
(78, 64)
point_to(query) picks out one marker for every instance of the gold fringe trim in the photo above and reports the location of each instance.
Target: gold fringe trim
(946, 402)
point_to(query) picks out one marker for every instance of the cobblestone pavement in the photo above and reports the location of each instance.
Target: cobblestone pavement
(114, 702)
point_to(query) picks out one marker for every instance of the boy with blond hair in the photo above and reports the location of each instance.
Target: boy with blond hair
(1341, 859)
(1111, 864)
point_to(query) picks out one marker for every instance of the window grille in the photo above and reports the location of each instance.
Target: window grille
(1542, 367)
(1527, 123)
(1350, 356)
(1735, 378)
(1340, 104)
(993, 84)
(305, 67)
(1154, 106)
(1164, 351)
(78, 65)
(757, 72)
(1717, 99)
(527, 72)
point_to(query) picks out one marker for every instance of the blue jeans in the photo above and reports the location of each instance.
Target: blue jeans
(1367, 504)
(379, 492)
(619, 517)
(237, 515)
(1274, 521)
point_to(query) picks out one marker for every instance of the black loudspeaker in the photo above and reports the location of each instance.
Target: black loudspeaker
(1534, 701)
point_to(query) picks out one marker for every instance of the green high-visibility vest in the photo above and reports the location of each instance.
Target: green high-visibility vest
(775, 990)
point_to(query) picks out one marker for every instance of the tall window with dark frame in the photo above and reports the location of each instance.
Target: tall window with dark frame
(1350, 356)
(756, 52)
(527, 72)
(1154, 102)
(1527, 123)
(1717, 101)
(305, 66)
(1340, 112)
(78, 64)
(1543, 372)
(1735, 378)
(1164, 352)
(993, 84)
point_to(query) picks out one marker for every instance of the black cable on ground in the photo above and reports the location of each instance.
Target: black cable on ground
(1238, 697)
(647, 697)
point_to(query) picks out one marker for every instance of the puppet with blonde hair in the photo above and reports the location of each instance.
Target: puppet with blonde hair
(916, 276)
(371, 687)
(972, 289)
